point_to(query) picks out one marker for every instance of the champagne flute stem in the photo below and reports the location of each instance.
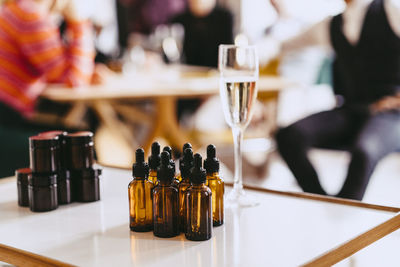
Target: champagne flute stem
(237, 144)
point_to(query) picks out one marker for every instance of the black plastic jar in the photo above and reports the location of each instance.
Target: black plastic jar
(23, 176)
(79, 150)
(64, 187)
(62, 146)
(43, 192)
(44, 153)
(86, 184)
(63, 178)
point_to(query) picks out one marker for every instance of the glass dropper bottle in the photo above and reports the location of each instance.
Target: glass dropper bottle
(165, 201)
(140, 199)
(216, 184)
(198, 204)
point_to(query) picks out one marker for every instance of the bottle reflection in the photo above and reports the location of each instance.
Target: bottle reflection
(142, 248)
(233, 243)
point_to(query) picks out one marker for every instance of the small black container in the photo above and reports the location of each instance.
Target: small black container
(44, 153)
(43, 192)
(23, 176)
(64, 187)
(79, 150)
(63, 178)
(86, 184)
(62, 145)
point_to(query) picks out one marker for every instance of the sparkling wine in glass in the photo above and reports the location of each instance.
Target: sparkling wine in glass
(238, 66)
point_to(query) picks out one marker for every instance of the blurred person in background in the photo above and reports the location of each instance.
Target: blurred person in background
(32, 54)
(206, 26)
(143, 16)
(365, 39)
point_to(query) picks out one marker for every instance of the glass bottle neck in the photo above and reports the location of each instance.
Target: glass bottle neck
(164, 183)
(139, 178)
(199, 185)
(185, 179)
(213, 175)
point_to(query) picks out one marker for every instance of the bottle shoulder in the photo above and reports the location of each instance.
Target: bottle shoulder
(214, 177)
(204, 190)
(184, 183)
(166, 188)
(140, 181)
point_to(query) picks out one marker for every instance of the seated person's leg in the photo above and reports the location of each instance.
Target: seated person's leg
(378, 138)
(328, 128)
(14, 145)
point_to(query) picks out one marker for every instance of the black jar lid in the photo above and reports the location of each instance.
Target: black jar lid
(43, 179)
(53, 133)
(43, 141)
(80, 138)
(23, 175)
(90, 173)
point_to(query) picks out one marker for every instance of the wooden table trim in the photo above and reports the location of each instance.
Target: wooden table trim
(329, 199)
(356, 244)
(19, 257)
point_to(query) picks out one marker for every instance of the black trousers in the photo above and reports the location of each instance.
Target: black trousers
(15, 131)
(368, 137)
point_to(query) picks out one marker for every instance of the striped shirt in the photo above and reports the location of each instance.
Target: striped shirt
(32, 54)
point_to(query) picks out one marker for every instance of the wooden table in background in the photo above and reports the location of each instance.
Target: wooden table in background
(286, 229)
(164, 89)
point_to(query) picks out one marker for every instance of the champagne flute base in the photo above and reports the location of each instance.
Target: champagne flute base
(238, 197)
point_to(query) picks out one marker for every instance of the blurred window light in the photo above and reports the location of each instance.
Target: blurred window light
(241, 40)
(258, 15)
(257, 145)
(170, 49)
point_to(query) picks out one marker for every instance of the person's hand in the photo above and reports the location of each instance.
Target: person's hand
(386, 104)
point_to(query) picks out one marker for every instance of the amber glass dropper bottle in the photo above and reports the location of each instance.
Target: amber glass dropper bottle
(185, 146)
(154, 162)
(172, 162)
(165, 201)
(185, 165)
(198, 204)
(216, 184)
(140, 202)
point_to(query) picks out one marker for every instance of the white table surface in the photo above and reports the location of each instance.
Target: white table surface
(281, 231)
(137, 86)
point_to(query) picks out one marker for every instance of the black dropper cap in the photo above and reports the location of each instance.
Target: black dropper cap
(165, 173)
(169, 150)
(186, 163)
(211, 163)
(198, 174)
(185, 146)
(140, 168)
(155, 158)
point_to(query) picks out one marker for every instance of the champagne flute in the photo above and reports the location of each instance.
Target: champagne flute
(238, 66)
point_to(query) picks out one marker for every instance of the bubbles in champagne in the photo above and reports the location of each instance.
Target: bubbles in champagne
(238, 95)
